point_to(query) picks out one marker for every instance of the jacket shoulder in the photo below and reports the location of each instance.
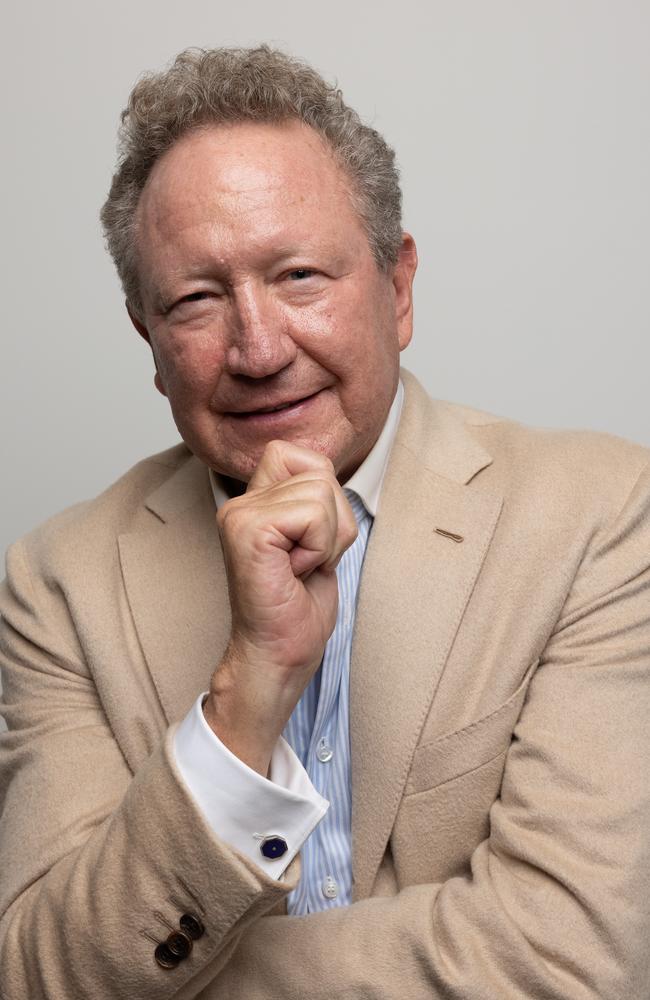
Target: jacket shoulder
(559, 468)
(572, 451)
(510, 449)
(94, 524)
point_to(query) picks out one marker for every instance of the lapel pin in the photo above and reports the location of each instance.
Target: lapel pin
(449, 534)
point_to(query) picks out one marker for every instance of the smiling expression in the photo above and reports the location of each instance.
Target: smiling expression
(259, 291)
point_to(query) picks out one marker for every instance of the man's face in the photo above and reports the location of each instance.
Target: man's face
(259, 290)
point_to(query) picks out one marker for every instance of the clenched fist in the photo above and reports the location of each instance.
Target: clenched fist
(282, 541)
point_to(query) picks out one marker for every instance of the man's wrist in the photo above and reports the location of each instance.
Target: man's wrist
(241, 736)
(249, 703)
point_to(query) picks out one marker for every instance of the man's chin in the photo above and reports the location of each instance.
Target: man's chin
(243, 469)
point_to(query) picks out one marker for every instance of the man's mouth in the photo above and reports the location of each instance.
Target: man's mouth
(280, 406)
(275, 408)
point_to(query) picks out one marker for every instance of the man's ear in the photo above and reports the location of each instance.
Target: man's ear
(144, 333)
(403, 275)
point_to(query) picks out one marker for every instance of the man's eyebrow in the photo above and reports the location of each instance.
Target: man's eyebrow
(331, 255)
(165, 291)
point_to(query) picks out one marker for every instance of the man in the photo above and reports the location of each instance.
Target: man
(377, 729)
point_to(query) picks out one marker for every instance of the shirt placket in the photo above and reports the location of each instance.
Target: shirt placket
(328, 756)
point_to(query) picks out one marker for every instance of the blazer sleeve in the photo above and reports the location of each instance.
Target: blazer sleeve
(557, 903)
(97, 864)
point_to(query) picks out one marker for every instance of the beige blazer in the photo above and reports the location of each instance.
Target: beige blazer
(500, 707)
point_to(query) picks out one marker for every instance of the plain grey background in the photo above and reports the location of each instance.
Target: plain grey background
(523, 134)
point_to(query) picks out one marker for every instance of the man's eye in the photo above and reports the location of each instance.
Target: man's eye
(300, 273)
(194, 297)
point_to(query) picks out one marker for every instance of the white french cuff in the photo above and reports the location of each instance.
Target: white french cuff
(241, 806)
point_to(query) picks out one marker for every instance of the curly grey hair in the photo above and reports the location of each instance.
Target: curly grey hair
(215, 86)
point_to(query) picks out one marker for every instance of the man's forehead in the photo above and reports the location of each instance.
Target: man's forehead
(269, 175)
(243, 160)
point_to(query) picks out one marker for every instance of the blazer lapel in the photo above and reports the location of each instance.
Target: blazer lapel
(415, 586)
(177, 589)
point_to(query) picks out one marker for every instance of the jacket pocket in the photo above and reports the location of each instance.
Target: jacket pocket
(468, 748)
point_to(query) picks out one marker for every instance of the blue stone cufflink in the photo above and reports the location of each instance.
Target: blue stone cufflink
(273, 847)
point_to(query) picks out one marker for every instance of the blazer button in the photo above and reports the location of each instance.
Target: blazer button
(165, 957)
(192, 926)
(179, 944)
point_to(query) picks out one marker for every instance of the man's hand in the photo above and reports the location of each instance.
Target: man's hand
(282, 541)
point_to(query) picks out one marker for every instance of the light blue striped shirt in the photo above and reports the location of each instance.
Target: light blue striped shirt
(319, 733)
(319, 728)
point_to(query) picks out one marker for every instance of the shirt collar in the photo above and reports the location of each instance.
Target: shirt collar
(367, 481)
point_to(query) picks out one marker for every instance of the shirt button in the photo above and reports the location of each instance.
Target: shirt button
(324, 751)
(330, 888)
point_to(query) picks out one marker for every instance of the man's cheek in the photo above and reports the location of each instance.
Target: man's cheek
(190, 375)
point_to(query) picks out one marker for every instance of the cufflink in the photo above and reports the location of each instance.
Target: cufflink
(273, 847)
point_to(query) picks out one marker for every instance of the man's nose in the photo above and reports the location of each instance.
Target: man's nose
(260, 344)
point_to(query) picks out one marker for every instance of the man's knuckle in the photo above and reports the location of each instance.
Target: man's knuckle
(323, 461)
(323, 487)
(316, 510)
(350, 534)
(275, 449)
